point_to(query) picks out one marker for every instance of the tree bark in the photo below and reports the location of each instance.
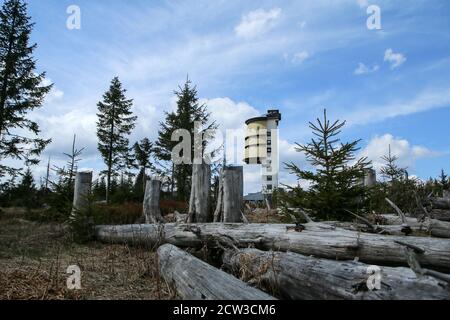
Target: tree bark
(439, 214)
(152, 211)
(194, 279)
(82, 190)
(316, 240)
(218, 213)
(199, 208)
(434, 227)
(441, 203)
(231, 195)
(297, 277)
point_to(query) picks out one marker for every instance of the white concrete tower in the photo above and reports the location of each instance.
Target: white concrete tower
(261, 147)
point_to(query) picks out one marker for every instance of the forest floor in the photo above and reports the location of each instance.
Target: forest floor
(34, 258)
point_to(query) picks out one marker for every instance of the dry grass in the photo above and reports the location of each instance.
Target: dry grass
(34, 259)
(265, 216)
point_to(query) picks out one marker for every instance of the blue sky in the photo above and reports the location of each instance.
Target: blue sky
(392, 85)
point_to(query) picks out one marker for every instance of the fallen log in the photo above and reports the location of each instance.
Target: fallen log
(440, 214)
(194, 279)
(317, 240)
(433, 227)
(440, 203)
(297, 277)
(393, 230)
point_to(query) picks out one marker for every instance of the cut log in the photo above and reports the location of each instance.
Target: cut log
(316, 240)
(393, 219)
(433, 227)
(231, 195)
(370, 177)
(297, 277)
(440, 203)
(440, 214)
(152, 211)
(438, 228)
(194, 279)
(199, 208)
(82, 190)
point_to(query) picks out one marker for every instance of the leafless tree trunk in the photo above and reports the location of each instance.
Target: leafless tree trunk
(82, 191)
(231, 195)
(152, 211)
(199, 203)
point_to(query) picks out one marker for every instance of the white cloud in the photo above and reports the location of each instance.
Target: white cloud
(363, 3)
(395, 59)
(407, 154)
(363, 69)
(426, 100)
(61, 129)
(55, 94)
(301, 56)
(230, 114)
(257, 22)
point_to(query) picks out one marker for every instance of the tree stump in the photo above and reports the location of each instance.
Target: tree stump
(370, 178)
(199, 208)
(152, 211)
(231, 195)
(82, 190)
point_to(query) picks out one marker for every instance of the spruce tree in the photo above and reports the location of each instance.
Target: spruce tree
(115, 123)
(21, 89)
(390, 170)
(143, 152)
(188, 111)
(335, 183)
(444, 180)
(26, 189)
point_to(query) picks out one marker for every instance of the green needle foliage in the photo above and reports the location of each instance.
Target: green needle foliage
(189, 110)
(115, 123)
(336, 183)
(21, 89)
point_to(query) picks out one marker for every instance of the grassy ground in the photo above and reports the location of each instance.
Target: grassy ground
(34, 258)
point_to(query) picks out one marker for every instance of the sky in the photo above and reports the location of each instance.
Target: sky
(391, 85)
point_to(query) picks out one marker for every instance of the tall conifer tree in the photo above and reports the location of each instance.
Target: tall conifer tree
(21, 88)
(189, 110)
(115, 123)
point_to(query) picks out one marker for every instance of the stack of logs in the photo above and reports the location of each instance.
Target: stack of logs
(314, 260)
